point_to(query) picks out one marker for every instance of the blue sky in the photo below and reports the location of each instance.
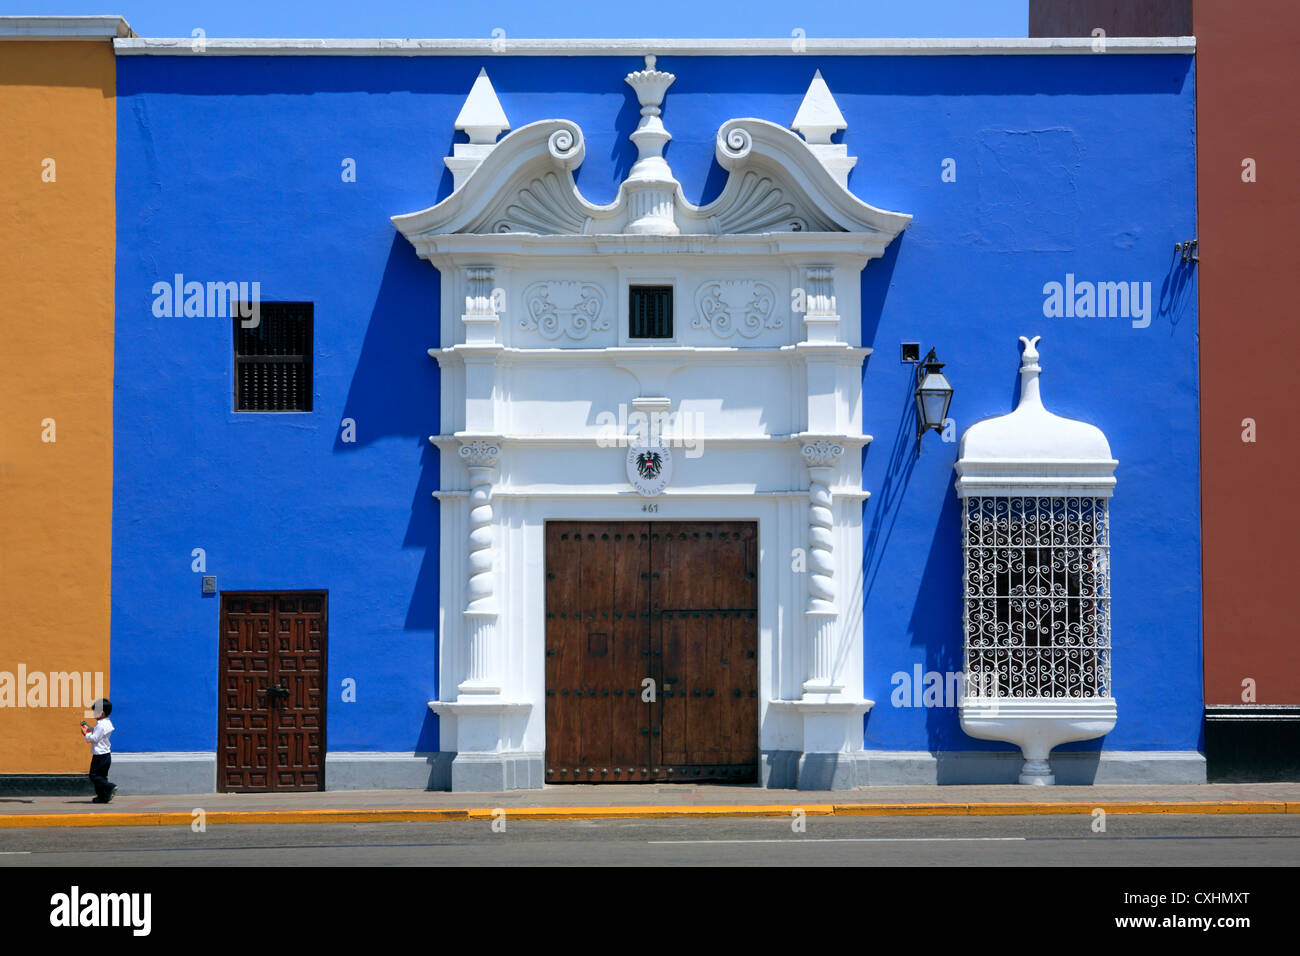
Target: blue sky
(539, 18)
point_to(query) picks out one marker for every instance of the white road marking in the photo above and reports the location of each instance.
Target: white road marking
(853, 840)
(15, 852)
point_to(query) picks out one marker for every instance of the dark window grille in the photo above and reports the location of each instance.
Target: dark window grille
(273, 359)
(650, 311)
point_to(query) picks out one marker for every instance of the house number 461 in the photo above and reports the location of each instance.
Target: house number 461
(650, 508)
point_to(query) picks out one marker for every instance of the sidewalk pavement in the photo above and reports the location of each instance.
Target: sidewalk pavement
(615, 801)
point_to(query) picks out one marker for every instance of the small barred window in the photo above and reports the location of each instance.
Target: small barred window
(273, 358)
(650, 312)
(1037, 581)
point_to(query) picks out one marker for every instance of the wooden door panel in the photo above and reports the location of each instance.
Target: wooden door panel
(595, 651)
(595, 602)
(267, 741)
(630, 717)
(298, 717)
(673, 601)
(706, 597)
(244, 730)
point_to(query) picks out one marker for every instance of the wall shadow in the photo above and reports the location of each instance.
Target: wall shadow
(1175, 290)
(394, 394)
(887, 501)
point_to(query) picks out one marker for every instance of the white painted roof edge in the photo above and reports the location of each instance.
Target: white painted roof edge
(215, 46)
(64, 28)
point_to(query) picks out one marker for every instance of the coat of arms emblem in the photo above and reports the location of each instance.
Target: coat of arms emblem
(649, 467)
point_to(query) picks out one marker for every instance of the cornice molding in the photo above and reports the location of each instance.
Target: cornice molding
(778, 46)
(65, 28)
(667, 354)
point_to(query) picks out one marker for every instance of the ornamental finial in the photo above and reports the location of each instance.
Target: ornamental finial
(1030, 356)
(650, 184)
(1029, 369)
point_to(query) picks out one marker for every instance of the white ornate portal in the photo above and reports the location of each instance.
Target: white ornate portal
(762, 350)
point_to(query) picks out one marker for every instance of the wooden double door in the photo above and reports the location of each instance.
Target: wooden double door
(271, 720)
(651, 651)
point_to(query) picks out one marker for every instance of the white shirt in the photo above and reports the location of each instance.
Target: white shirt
(98, 737)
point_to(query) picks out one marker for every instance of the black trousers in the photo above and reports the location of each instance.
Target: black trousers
(99, 764)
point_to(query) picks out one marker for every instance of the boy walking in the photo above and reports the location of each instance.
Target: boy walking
(100, 750)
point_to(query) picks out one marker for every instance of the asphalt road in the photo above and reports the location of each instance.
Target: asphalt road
(1146, 840)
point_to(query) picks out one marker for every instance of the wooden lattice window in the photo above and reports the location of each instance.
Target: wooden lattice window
(650, 312)
(273, 358)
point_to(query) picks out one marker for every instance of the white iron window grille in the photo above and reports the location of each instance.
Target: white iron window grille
(1037, 608)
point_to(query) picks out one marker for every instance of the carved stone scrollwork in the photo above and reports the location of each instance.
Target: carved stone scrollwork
(822, 452)
(566, 146)
(557, 308)
(734, 142)
(730, 307)
(479, 453)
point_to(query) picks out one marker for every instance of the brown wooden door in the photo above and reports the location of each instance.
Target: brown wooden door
(271, 720)
(704, 619)
(674, 602)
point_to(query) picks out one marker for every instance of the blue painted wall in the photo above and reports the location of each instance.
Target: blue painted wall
(229, 169)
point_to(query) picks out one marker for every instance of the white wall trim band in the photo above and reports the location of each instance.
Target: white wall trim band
(778, 46)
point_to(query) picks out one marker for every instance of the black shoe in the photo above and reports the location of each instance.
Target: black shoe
(99, 800)
(111, 794)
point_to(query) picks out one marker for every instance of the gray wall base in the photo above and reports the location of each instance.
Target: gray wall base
(153, 773)
(163, 773)
(493, 773)
(792, 770)
(363, 770)
(920, 767)
(827, 772)
(779, 769)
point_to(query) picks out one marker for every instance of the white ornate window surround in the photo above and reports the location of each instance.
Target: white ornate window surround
(1035, 490)
(774, 395)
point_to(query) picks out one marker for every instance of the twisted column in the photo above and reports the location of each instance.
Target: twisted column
(820, 615)
(480, 613)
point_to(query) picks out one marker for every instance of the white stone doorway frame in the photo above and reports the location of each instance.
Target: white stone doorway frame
(509, 732)
(536, 283)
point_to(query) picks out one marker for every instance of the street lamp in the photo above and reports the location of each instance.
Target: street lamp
(933, 396)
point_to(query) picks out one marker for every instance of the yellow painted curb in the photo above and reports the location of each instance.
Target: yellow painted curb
(182, 818)
(1059, 809)
(653, 812)
(429, 815)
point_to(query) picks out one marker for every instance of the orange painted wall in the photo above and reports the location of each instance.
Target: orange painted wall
(57, 240)
(1246, 87)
